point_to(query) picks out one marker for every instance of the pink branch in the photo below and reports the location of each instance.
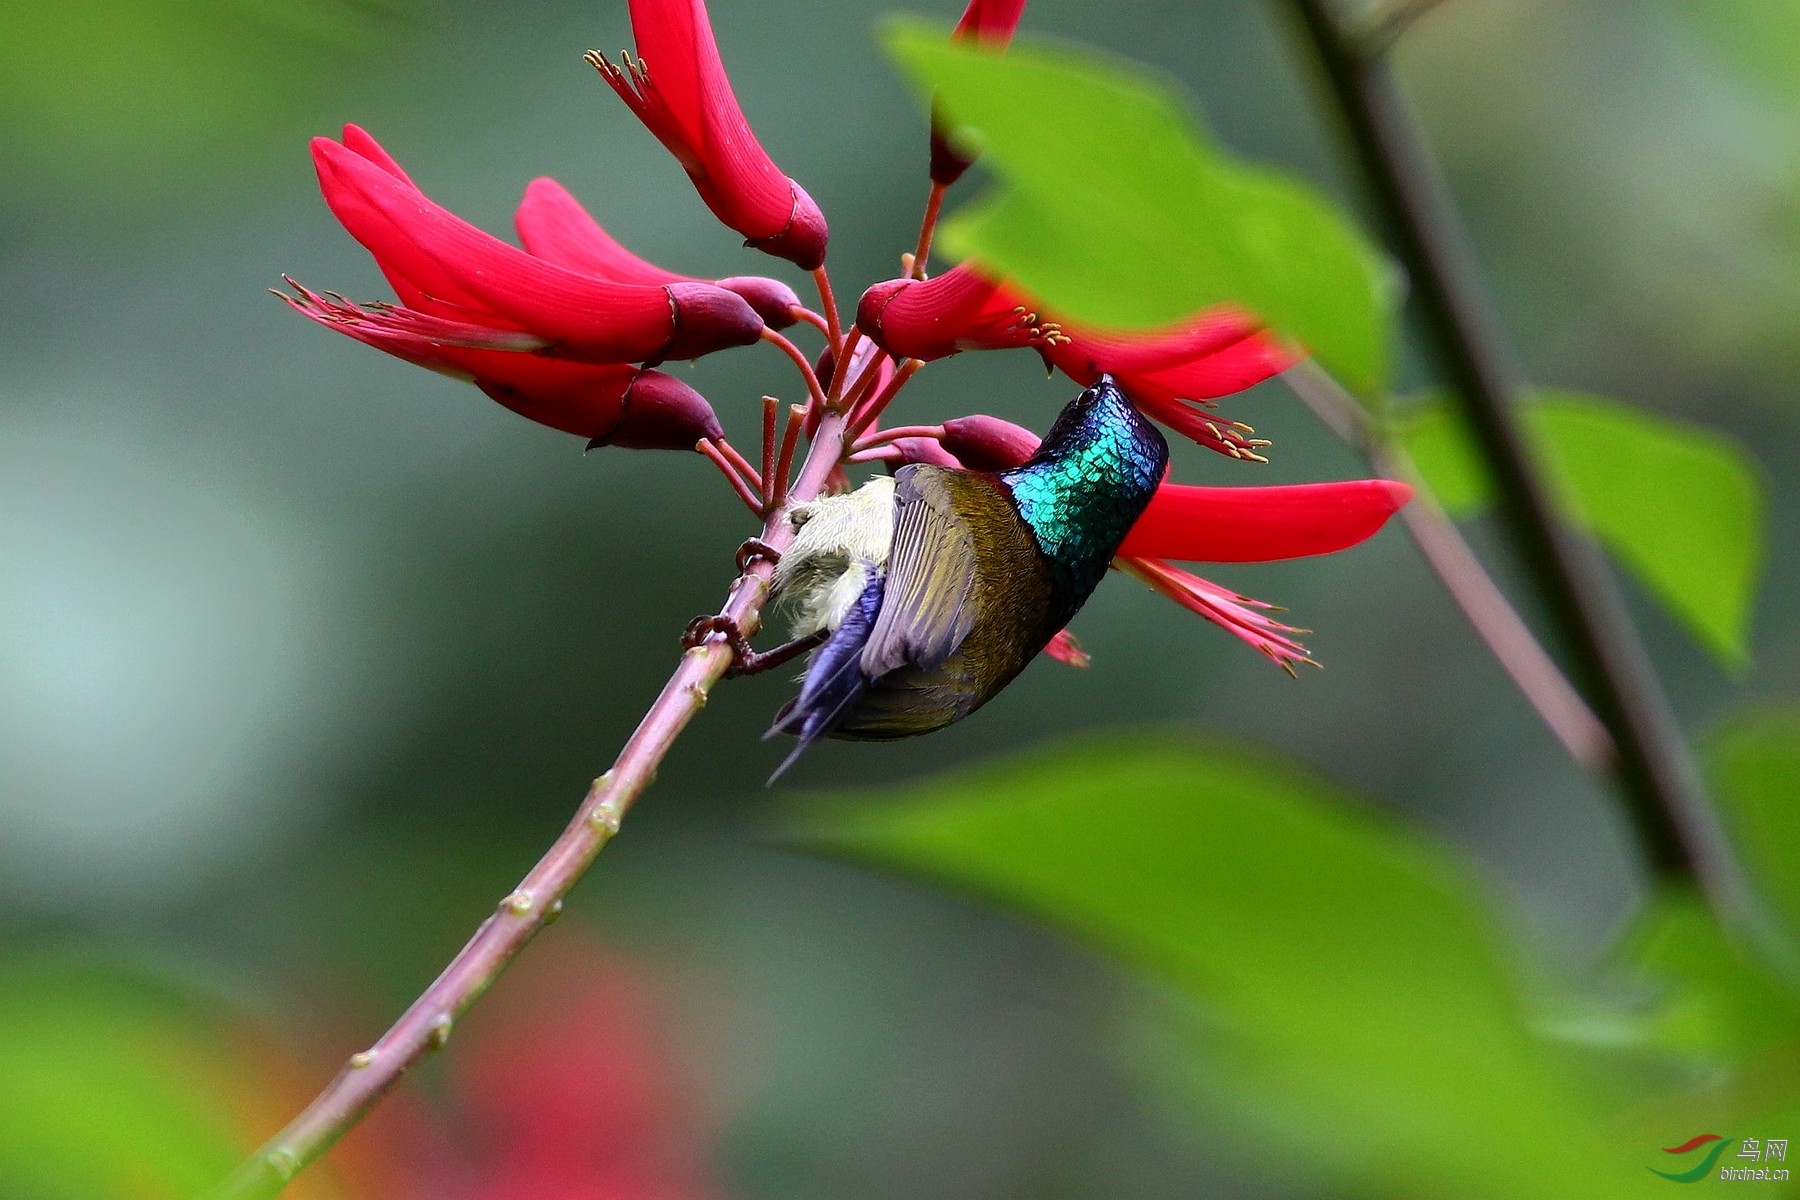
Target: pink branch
(538, 899)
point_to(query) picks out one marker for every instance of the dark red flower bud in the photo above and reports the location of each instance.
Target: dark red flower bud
(661, 413)
(924, 450)
(678, 88)
(986, 443)
(708, 318)
(933, 318)
(773, 300)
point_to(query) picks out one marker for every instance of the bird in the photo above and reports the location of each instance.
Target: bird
(923, 594)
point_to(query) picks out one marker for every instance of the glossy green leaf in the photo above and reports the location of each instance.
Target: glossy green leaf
(1365, 1004)
(1117, 211)
(1679, 505)
(1755, 773)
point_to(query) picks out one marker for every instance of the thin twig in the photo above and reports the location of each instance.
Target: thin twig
(790, 436)
(751, 496)
(934, 204)
(840, 367)
(834, 327)
(538, 899)
(1678, 830)
(811, 318)
(867, 413)
(750, 473)
(895, 433)
(1517, 649)
(800, 361)
(771, 407)
(1379, 34)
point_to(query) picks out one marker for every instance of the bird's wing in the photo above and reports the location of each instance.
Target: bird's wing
(929, 603)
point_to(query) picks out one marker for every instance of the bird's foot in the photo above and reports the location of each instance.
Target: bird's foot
(753, 549)
(744, 660)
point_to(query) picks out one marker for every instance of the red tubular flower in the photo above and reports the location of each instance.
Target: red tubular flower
(935, 318)
(990, 22)
(1166, 372)
(1201, 524)
(608, 403)
(554, 226)
(1262, 524)
(446, 269)
(678, 88)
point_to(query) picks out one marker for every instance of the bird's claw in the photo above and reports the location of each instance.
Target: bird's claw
(744, 660)
(753, 549)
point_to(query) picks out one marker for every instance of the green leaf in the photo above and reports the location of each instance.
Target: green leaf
(1368, 1007)
(114, 1084)
(116, 97)
(1720, 1004)
(1754, 765)
(1679, 505)
(1117, 211)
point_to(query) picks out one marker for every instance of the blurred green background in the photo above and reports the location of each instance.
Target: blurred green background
(306, 654)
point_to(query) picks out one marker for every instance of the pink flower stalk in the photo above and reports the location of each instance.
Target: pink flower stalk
(678, 88)
(1166, 372)
(1197, 524)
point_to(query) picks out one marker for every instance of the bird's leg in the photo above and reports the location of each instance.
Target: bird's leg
(753, 549)
(745, 660)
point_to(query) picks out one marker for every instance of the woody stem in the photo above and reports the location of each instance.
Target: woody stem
(1678, 831)
(806, 370)
(426, 1024)
(1493, 617)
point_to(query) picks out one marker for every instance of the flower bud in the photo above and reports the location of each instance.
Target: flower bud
(773, 300)
(986, 443)
(708, 318)
(661, 412)
(924, 450)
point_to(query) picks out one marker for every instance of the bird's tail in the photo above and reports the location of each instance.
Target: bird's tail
(834, 679)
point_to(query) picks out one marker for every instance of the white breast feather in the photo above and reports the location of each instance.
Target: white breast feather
(839, 541)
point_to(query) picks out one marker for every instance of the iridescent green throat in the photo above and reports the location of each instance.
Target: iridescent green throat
(1086, 486)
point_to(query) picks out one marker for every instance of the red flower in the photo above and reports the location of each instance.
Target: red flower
(959, 310)
(548, 331)
(678, 88)
(1200, 524)
(1173, 374)
(553, 226)
(611, 404)
(1166, 372)
(498, 296)
(990, 22)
